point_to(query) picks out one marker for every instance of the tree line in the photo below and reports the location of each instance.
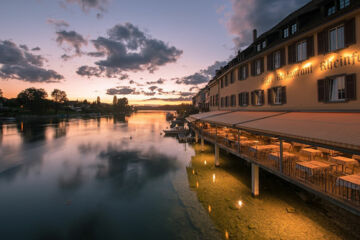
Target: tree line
(37, 101)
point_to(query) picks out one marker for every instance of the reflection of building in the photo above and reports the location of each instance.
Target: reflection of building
(309, 61)
(289, 102)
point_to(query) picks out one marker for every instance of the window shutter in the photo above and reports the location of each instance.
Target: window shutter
(321, 90)
(350, 87)
(310, 46)
(350, 37)
(323, 41)
(253, 68)
(283, 95)
(239, 99)
(246, 98)
(269, 93)
(282, 57)
(270, 65)
(292, 54)
(262, 65)
(247, 70)
(239, 73)
(262, 97)
(252, 98)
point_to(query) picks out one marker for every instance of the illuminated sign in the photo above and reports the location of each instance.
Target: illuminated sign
(341, 61)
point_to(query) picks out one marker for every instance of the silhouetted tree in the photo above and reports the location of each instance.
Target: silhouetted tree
(59, 96)
(33, 99)
(1, 93)
(115, 100)
(98, 100)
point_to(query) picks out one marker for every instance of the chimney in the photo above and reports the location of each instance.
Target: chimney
(254, 35)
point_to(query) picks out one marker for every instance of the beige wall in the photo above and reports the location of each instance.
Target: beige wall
(301, 90)
(213, 91)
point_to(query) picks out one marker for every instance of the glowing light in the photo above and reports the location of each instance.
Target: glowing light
(205, 162)
(22, 126)
(209, 209)
(197, 184)
(240, 203)
(226, 234)
(307, 65)
(193, 172)
(214, 177)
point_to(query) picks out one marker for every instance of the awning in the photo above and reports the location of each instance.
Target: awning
(200, 116)
(333, 129)
(232, 118)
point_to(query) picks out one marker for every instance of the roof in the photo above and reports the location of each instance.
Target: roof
(203, 115)
(339, 130)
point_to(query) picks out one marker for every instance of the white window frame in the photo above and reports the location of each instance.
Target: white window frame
(277, 59)
(264, 44)
(331, 10)
(344, 3)
(286, 33)
(339, 42)
(337, 89)
(258, 97)
(243, 99)
(277, 95)
(301, 51)
(258, 67)
(243, 72)
(293, 28)
(258, 47)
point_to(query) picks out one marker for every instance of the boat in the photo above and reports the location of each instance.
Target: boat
(175, 131)
(169, 116)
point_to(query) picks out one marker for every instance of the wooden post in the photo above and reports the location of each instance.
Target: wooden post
(196, 136)
(281, 156)
(202, 143)
(255, 180)
(238, 138)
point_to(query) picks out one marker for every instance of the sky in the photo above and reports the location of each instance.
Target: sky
(152, 52)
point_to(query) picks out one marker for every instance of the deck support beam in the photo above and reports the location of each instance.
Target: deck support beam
(255, 180)
(196, 136)
(217, 160)
(202, 144)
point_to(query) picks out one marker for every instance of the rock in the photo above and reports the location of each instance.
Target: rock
(290, 210)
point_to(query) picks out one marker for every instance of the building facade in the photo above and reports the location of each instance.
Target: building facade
(310, 61)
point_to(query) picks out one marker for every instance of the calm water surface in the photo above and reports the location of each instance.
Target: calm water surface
(95, 179)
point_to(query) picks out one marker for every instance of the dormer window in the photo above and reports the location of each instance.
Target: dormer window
(258, 47)
(293, 28)
(331, 10)
(344, 3)
(286, 33)
(264, 44)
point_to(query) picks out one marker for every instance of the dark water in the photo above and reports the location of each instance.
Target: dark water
(96, 179)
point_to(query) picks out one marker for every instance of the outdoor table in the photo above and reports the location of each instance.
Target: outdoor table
(259, 148)
(286, 145)
(312, 166)
(356, 157)
(349, 181)
(344, 161)
(249, 142)
(310, 152)
(276, 156)
(243, 138)
(296, 144)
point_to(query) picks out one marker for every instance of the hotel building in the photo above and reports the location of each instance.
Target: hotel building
(295, 87)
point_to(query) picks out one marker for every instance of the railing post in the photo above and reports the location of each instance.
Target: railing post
(202, 143)
(281, 156)
(238, 138)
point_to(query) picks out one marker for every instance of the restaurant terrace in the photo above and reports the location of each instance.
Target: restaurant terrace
(319, 152)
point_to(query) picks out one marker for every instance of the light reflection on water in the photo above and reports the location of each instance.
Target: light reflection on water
(102, 178)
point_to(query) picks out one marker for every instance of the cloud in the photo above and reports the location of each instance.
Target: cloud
(58, 24)
(36, 49)
(127, 48)
(72, 38)
(89, 71)
(203, 76)
(18, 63)
(120, 91)
(152, 88)
(159, 81)
(179, 99)
(86, 5)
(257, 14)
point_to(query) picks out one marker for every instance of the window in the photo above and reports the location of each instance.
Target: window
(257, 97)
(331, 10)
(286, 33)
(344, 3)
(277, 60)
(337, 89)
(277, 95)
(226, 80)
(258, 47)
(293, 28)
(222, 102)
(301, 51)
(232, 77)
(243, 72)
(217, 100)
(258, 67)
(226, 101)
(264, 44)
(233, 101)
(243, 99)
(336, 38)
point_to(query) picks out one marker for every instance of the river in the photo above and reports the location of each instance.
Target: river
(109, 178)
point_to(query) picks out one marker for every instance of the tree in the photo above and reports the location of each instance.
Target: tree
(59, 96)
(1, 93)
(115, 100)
(32, 98)
(98, 100)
